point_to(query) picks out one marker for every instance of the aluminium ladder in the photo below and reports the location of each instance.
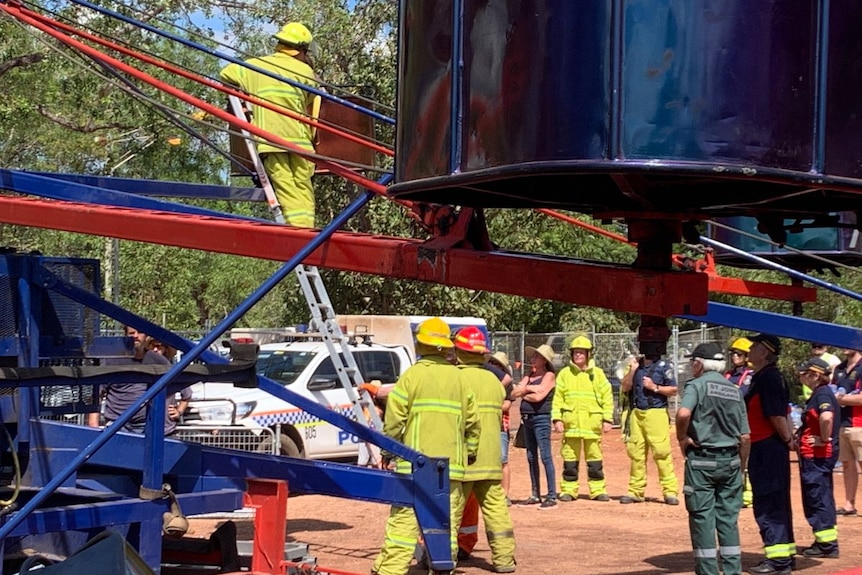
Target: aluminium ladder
(322, 312)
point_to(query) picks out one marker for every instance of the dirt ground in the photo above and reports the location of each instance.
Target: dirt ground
(579, 538)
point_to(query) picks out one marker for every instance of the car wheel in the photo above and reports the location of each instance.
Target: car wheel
(287, 446)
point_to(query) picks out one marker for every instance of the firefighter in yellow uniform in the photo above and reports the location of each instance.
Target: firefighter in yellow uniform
(290, 174)
(582, 411)
(483, 477)
(433, 412)
(649, 383)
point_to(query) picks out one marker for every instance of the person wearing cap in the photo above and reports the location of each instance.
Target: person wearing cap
(649, 382)
(482, 477)
(772, 440)
(431, 411)
(821, 351)
(289, 172)
(468, 533)
(818, 452)
(536, 390)
(583, 410)
(713, 435)
(740, 372)
(847, 378)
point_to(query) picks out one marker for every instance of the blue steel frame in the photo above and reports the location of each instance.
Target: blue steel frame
(427, 489)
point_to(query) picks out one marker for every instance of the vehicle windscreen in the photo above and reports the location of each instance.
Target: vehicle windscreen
(283, 366)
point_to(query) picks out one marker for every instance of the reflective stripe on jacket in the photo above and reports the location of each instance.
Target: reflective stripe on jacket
(431, 411)
(278, 93)
(489, 396)
(583, 400)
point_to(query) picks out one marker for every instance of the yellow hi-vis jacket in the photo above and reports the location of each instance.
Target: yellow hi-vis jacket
(278, 93)
(489, 394)
(582, 400)
(432, 411)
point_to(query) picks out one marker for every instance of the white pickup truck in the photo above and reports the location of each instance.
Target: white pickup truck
(221, 415)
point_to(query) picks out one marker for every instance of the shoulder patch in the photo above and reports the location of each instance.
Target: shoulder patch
(723, 391)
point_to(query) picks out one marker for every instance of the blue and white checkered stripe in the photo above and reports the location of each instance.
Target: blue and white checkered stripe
(297, 417)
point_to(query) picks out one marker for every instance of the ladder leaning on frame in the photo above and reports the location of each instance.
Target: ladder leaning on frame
(322, 313)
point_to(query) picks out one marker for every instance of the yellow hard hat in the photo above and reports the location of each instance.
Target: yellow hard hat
(294, 34)
(434, 332)
(581, 342)
(742, 344)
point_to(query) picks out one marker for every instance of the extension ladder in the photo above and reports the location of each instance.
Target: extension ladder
(322, 312)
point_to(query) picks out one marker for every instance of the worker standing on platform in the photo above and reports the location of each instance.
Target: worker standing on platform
(772, 440)
(582, 411)
(713, 435)
(432, 411)
(483, 477)
(289, 173)
(649, 382)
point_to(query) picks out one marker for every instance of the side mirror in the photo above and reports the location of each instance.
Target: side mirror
(321, 383)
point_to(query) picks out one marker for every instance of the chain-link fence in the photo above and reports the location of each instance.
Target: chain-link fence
(610, 351)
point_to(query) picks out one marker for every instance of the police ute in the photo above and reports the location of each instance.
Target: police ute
(221, 415)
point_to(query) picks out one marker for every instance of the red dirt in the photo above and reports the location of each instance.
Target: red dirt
(579, 538)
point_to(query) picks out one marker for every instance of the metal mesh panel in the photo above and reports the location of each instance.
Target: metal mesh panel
(234, 437)
(67, 398)
(8, 304)
(62, 316)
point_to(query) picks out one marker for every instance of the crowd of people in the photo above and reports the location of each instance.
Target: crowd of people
(732, 428)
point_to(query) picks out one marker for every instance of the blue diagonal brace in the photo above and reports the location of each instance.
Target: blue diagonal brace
(799, 328)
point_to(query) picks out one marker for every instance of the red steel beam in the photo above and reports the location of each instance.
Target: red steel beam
(529, 275)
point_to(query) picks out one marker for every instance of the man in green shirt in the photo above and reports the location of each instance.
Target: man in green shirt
(713, 434)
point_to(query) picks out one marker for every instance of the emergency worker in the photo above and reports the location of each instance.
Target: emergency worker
(772, 440)
(713, 435)
(818, 452)
(740, 373)
(649, 382)
(432, 411)
(289, 173)
(482, 478)
(740, 370)
(468, 533)
(848, 380)
(582, 411)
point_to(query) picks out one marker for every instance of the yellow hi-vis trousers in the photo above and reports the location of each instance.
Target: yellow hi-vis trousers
(649, 429)
(290, 176)
(498, 524)
(402, 534)
(571, 452)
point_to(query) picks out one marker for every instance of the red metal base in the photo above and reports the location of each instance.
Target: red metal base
(268, 497)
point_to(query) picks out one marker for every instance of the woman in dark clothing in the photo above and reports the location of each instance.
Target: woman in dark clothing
(536, 391)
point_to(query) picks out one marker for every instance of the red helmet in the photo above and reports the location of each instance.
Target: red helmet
(472, 340)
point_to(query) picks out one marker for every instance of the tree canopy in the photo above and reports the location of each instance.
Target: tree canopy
(62, 112)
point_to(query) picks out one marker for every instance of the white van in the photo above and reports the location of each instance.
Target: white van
(221, 415)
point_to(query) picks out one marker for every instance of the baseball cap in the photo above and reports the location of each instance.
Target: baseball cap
(707, 351)
(770, 342)
(816, 365)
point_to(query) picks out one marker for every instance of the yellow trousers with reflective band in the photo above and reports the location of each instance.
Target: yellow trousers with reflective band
(402, 534)
(290, 176)
(498, 524)
(571, 452)
(649, 430)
